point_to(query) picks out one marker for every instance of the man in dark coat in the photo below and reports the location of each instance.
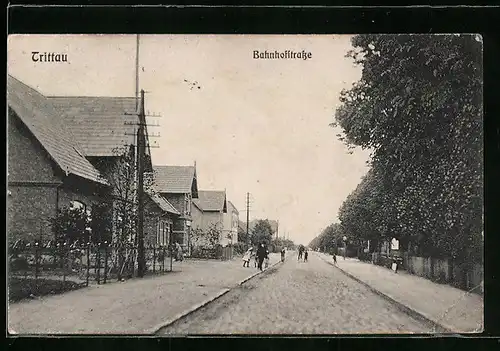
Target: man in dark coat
(301, 251)
(261, 255)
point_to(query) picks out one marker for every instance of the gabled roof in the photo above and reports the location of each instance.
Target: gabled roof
(175, 179)
(211, 200)
(44, 122)
(232, 207)
(163, 204)
(100, 124)
(242, 225)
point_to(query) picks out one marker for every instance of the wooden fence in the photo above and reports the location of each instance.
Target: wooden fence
(466, 276)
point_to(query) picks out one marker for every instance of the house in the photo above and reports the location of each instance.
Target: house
(160, 217)
(106, 128)
(231, 222)
(209, 210)
(81, 150)
(179, 186)
(47, 167)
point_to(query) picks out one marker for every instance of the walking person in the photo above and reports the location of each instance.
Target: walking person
(283, 255)
(266, 259)
(334, 258)
(301, 251)
(179, 256)
(261, 255)
(247, 256)
(305, 255)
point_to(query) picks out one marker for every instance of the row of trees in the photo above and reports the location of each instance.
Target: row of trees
(329, 239)
(262, 232)
(418, 109)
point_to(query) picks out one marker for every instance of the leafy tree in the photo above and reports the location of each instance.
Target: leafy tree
(209, 238)
(206, 241)
(262, 232)
(418, 109)
(101, 223)
(121, 172)
(242, 236)
(329, 239)
(280, 243)
(70, 225)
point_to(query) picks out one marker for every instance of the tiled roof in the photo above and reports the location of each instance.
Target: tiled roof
(38, 114)
(100, 124)
(174, 179)
(242, 225)
(210, 200)
(163, 204)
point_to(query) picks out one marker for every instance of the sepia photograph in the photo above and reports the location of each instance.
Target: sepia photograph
(175, 185)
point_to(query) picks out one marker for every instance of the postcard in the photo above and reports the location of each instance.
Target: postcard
(245, 184)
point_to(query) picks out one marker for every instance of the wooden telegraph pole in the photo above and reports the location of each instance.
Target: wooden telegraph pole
(141, 262)
(248, 219)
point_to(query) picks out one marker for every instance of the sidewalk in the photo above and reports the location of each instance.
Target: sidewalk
(137, 306)
(452, 308)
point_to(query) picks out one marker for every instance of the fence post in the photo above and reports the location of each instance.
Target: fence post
(105, 261)
(163, 260)
(171, 258)
(98, 263)
(88, 263)
(64, 261)
(36, 260)
(154, 258)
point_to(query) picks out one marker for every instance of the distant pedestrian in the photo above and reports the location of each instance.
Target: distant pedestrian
(179, 255)
(305, 255)
(334, 258)
(261, 255)
(266, 259)
(247, 256)
(301, 252)
(283, 255)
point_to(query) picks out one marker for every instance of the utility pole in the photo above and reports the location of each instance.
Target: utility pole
(248, 219)
(137, 73)
(141, 264)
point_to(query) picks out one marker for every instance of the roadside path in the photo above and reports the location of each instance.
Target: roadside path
(136, 306)
(451, 308)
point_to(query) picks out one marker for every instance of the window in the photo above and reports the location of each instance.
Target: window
(166, 233)
(162, 233)
(159, 233)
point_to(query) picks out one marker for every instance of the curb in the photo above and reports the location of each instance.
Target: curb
(198, 306)
(437, 327)
(187, 311)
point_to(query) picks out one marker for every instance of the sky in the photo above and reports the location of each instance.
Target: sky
(257, 126)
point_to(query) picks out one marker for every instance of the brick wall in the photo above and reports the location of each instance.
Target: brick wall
(177, 200)
(29, 210)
